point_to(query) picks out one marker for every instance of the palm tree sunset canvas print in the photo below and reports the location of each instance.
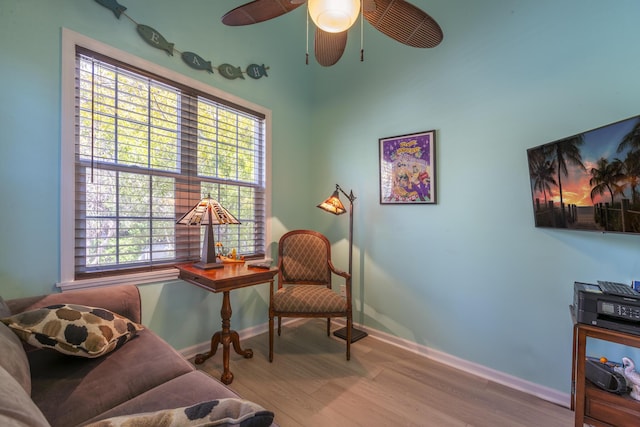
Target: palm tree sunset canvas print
(589, 181)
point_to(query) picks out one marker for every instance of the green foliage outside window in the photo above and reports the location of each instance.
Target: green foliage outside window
(146, 152)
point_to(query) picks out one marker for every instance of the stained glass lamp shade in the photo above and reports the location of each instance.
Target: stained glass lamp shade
(333, 204)
(207, 213)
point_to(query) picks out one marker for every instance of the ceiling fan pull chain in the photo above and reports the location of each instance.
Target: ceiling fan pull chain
(361, 30)
(307, 34)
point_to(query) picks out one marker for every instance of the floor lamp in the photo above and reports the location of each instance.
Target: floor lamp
(334, 205)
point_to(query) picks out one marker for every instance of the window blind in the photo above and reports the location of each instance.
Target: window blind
(147, 150)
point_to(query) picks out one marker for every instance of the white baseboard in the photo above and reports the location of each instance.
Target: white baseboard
(542, 392)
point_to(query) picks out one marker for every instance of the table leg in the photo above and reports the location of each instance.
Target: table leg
(215, 340)
(227, 337)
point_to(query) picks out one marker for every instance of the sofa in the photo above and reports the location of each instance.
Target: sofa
(135, 375)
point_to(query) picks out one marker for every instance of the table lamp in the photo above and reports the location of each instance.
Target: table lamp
(208, 212)
(334, 205)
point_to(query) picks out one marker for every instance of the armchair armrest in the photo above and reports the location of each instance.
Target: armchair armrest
(338, 272)
(122, 299)
(347, 278)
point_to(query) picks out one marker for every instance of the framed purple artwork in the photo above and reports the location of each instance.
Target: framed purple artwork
(408, 169)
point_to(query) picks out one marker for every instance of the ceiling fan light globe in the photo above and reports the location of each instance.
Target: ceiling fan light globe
(334, 16)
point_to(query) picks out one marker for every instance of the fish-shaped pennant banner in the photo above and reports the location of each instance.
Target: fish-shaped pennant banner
(114, 6)
(154, 38)
(197, 62)
(230, 72)
(193, 60)
(256, 71)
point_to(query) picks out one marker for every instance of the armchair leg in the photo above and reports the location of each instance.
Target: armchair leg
(270, 338)
(349, 330)
(279, 325)
(328, 326)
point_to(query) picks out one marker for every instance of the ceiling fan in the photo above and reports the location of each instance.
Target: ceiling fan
(397, 19)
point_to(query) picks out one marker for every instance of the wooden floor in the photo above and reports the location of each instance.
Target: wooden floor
(310, 384)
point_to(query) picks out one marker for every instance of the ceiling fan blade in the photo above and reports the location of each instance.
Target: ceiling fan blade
(329, 47)
(259, 11)
(405, 23)
(368, 5)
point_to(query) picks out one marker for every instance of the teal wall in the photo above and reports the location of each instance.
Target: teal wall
(469, 276)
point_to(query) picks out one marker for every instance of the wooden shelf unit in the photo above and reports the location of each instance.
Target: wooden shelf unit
(591, 404)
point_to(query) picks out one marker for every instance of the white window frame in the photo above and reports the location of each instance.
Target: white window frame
(70, 40)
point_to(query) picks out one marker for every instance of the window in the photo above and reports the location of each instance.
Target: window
(146, 149)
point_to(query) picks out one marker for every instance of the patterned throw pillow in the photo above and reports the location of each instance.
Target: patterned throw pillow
(229, 412)
(73, 329)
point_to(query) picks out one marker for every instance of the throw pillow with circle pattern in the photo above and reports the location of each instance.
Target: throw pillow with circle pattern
(73, 329)
(229, 412)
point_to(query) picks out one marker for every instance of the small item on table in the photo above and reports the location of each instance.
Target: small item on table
(260, 264)
(232, 257)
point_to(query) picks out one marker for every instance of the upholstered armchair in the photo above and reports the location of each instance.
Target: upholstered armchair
(304, 284)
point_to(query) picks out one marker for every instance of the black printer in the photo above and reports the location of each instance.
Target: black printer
(607, 305)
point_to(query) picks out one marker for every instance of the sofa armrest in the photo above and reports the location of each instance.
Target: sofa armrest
(121, 299)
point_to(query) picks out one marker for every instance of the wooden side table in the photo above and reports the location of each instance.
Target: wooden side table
(231, 276)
